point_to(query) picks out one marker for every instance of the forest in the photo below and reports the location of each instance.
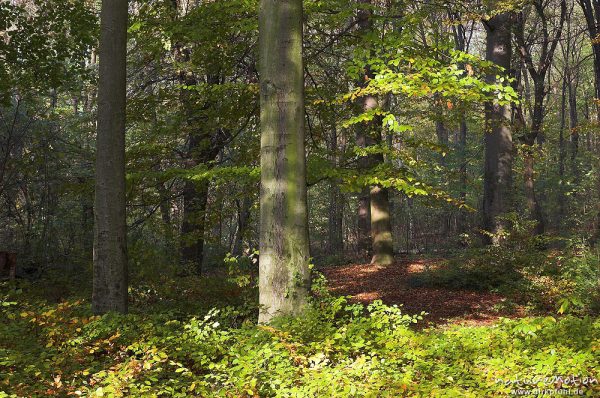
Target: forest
(288, 198)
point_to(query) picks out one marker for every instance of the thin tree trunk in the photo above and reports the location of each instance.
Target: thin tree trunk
(460, 44)
(242, 225)
(336, 214)
(336, 206)
(87, 220)
(573, 123)
(587, 116)
(110, 243)
(410, 227)
(442, 136)
(284, 279)
(165, 214)
(462, 152)
(533, 205)
(561, 156)
(165, 204)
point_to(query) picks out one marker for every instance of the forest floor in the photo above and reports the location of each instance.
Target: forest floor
(197, 337)
(393, 285)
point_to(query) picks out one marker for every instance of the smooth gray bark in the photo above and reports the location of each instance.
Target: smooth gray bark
(284, 275)
(498, 134)
(110, 235)
(370, 134)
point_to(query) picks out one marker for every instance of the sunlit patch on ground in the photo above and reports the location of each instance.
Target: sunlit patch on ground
(368, 282)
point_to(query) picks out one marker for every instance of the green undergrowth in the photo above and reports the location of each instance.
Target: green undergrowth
(529, 271)
(178, 342)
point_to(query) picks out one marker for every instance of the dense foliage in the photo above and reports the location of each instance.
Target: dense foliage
(179, 345)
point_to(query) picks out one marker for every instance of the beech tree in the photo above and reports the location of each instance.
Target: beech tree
(498, 133)
(110, 237)
(284, 252)
(376, 197)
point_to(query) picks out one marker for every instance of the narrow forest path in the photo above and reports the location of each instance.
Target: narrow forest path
(391, 284)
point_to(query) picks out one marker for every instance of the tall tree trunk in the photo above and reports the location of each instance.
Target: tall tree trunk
(533, 205)
(442, 135)
(336, 214)
(110, 243)
(587, 116)
(381, 224)
(462, 152)
(284, 248)
(561, 156)
(498, 134)
(410, 227)
(380, 219)
(573, 123)
(461, 44)
(363, 140)
(216, 216)
(381, 227)
(164, 195)
(336, 205)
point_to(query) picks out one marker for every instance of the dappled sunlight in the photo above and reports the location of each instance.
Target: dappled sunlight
(391, 284)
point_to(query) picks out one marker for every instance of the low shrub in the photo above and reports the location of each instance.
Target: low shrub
(525, 270)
